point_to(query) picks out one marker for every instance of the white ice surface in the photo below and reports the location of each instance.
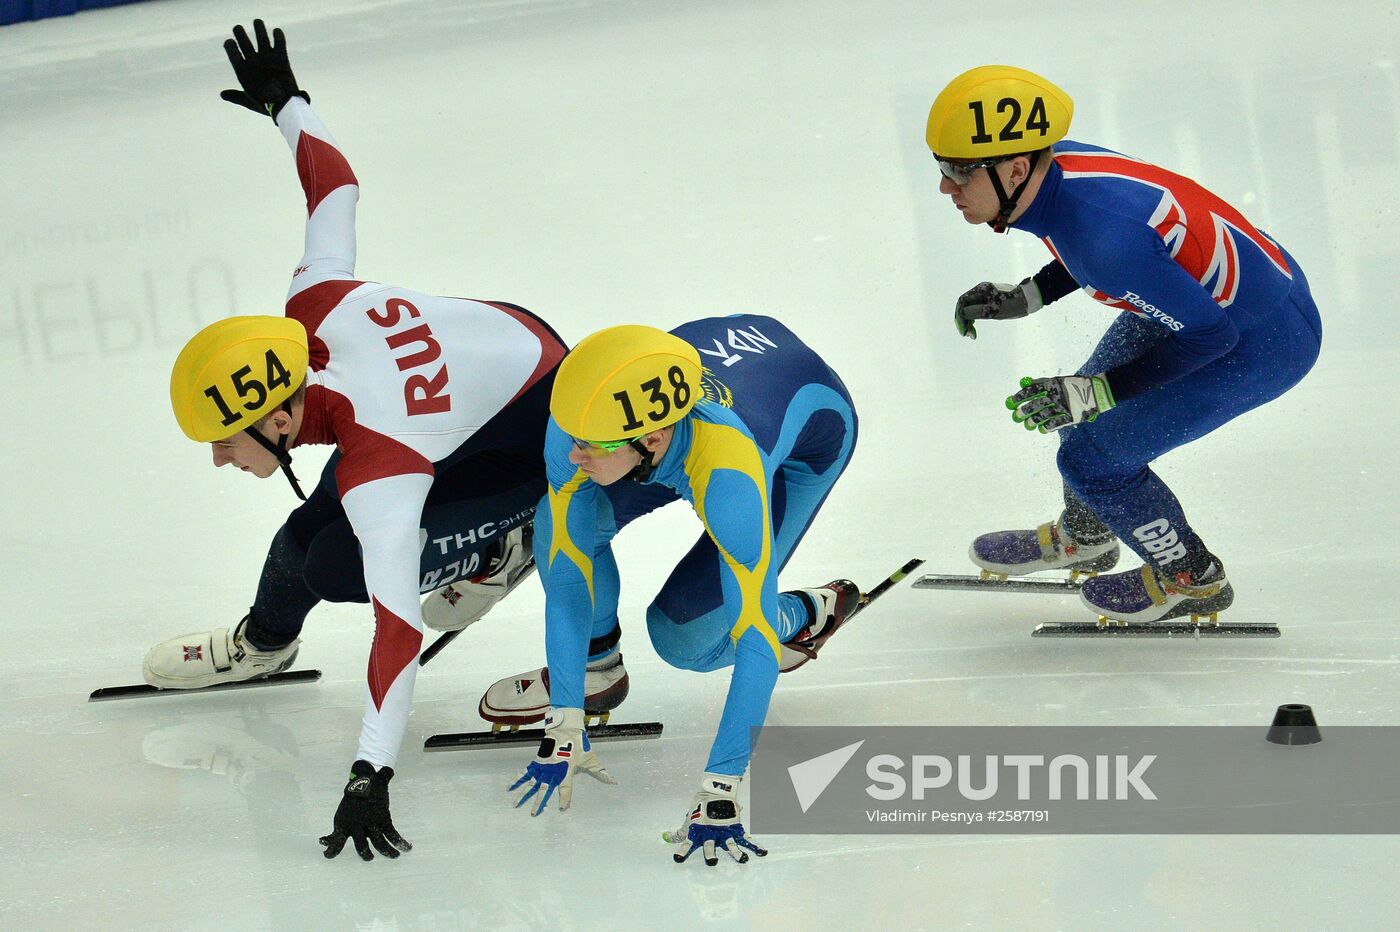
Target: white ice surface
(604, 162)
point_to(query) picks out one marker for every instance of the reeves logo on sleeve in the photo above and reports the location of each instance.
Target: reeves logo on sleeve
(1150, 310)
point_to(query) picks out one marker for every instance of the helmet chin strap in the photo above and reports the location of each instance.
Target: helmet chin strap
(1008, 202)
(643, 470)
(279, 450)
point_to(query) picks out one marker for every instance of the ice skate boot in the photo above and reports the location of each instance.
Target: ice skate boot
(1145, 595)
(465, 602)
(524, 699)
(1049, 547)
(191, 661)
(833, 604)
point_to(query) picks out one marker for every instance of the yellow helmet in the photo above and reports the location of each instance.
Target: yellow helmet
(624, 382)
(234, 372)
(997, 110)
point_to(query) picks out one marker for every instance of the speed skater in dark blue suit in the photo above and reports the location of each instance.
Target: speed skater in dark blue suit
(1217, 320)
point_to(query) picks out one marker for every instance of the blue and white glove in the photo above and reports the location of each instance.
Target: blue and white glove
(563, 752)
(1060, 401)
(713, 822)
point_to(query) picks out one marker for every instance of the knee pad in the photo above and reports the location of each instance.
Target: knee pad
(334, 571)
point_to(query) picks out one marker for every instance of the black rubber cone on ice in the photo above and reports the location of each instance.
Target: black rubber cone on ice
(1294, 724)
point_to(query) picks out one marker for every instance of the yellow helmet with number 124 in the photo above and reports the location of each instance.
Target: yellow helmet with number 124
(625, 382)
(234, 372)
(997, 110)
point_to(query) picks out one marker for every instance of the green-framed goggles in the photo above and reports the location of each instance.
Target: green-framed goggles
(607, 446)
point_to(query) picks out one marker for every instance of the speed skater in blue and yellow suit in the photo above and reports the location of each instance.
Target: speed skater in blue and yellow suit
(755, 446)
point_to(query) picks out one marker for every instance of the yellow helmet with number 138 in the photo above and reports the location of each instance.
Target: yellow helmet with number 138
(624, 382)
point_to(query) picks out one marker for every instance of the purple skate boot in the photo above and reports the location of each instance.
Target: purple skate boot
(1048, 547)
(1145, 595)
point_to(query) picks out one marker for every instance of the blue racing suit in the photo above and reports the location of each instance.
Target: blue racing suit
(1219, 320)
(755, 458)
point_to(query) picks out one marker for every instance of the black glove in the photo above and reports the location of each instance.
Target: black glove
(989, 301)
(364, 815)
(267, 79)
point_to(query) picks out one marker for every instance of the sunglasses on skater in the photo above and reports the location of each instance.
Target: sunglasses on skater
(960, 173)
(607, 446)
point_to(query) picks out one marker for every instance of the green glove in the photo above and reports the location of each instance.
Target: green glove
(1060, 401)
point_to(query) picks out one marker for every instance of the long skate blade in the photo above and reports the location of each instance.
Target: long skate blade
(435, 648)
(886, 585)
(532, 736)
(1020, 584)
(447, 637)
(272, 679)
(1156, 629)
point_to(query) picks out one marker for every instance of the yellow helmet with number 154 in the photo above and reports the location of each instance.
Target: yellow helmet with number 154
(234, 372)
(997, 110)
(625, 382)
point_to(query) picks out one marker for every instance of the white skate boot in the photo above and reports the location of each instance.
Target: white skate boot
(1048, 547)
(465, 602)
(835, 601)
(211, 657)
(524, 699)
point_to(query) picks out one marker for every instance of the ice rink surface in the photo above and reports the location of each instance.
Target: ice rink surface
(607, 162)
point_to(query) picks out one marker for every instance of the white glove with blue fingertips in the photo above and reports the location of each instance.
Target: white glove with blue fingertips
(713, 822)
(563, 752)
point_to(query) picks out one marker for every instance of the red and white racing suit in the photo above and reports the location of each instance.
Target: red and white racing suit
(399, 381)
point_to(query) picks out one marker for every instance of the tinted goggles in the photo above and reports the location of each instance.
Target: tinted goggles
(960, 173)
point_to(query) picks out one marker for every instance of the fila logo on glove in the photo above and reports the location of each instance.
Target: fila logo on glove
(1151, 310)
(1161, 541)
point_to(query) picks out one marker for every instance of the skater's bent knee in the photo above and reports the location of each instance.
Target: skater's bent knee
(1085, 467)
(667, 637)
(333, 578)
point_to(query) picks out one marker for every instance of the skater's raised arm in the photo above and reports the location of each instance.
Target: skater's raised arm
(331, 194)
(269, 87)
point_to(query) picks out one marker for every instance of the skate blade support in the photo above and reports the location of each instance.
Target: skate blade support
(1204, 628)
(512, 736)
(1198, 626)
(272, 679)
